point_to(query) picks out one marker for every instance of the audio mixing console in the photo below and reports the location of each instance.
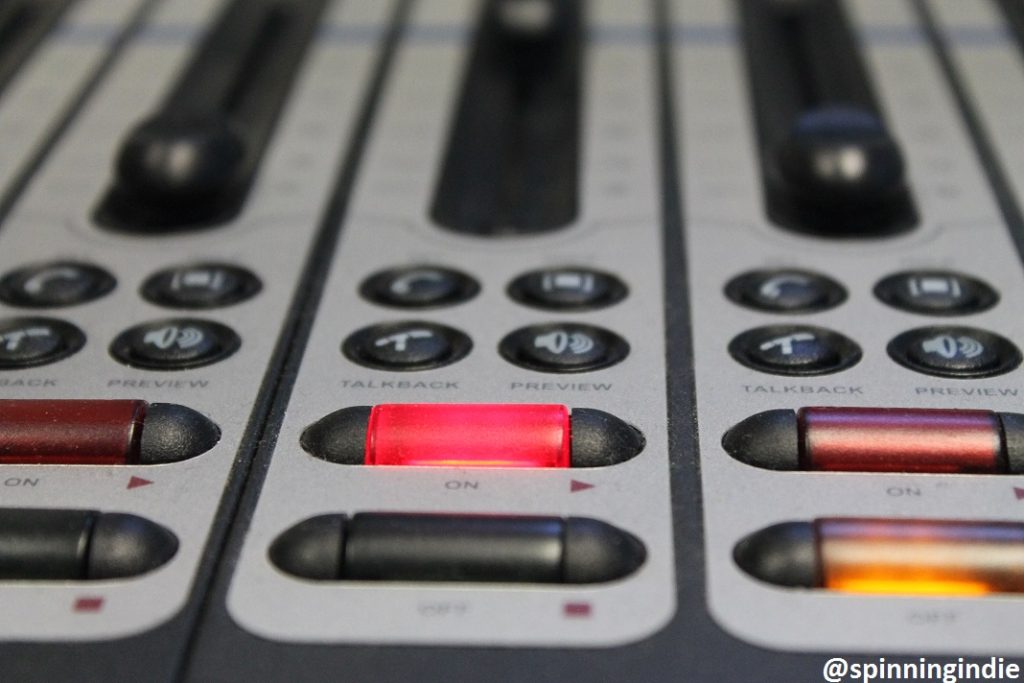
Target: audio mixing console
(395, 340)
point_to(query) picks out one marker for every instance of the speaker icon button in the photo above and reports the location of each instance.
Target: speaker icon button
(953, 351)
(565, 347)
(175, 344)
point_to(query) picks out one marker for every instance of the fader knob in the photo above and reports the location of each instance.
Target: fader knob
(841, 159)
(169, 161)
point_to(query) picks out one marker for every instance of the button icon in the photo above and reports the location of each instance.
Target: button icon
(772, 288)
(407, 283)
(400, 340)
(949, 347)
(166, 337)
(785, 343)
(11, 340)
(572, 281)
(199, 278)
(38, 283)
(934, 285)
(560, 342)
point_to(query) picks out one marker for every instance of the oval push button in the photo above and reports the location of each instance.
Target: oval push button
(567, 289)
(785, 291)
(936, 292)
(563, 347)
(80, 545)
(794, 350)
(419, 287)
(27, 342)
(202, 285)
(175, 344)
(953, 351)
(51, 285)
(407, 345)
(462, 548)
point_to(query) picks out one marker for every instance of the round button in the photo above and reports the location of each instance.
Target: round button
(953, 351)
(936, 292)
(407, 345)
(567, 289)
(175, 344)
(27, 342)
(201, 285)
(794, 350)
(419, 287)
(563, 347)
(50, 285)
(785, 291)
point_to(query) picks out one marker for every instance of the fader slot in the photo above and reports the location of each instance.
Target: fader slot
(830, 166)
(191, 164)
(23, 25)
(511, 165)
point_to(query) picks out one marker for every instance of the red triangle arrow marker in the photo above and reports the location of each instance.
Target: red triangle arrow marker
(1019, 492)
(575, 486)
(136, 482)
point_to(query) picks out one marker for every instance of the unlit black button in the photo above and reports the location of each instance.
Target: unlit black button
(175, 344)
(567, 289)
(407, 345)
(794, 350)
(419, 287)
(27, 342)
(936, 292)
(953, 351)
(80, 545)
(457, 548)
(785, 291)
(51, 285)
(202, 285)
(563, 347)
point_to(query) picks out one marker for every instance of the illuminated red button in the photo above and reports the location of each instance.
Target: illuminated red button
(96, 432)
(880, 440)
(472, 435)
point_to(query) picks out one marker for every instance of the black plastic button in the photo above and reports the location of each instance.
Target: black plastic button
(202, 285)
(936, 292)
(567, 289)
(563, 347)
(952, 351)
(794, 350)
(51, 285)
(785, 291)
(419, 287)
(407, 345)
(175, 344)
(26, 342)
